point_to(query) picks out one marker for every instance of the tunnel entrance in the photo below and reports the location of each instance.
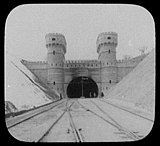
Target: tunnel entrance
(82, 87)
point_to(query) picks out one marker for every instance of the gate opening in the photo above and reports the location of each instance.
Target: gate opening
(82, 87)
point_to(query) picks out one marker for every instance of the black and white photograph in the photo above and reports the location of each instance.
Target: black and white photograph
(79, 73)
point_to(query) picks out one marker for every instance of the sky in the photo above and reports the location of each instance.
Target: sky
(27, 25)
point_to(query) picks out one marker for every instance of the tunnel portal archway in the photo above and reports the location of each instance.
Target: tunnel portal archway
(82, 87)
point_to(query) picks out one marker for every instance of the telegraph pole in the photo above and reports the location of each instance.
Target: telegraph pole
(82, 86)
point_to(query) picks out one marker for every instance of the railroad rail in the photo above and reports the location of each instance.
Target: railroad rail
(30, 117)
(102, 100)
(77, 134)
(115, 124)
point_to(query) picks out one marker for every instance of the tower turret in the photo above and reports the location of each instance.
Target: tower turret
(106, 48)
(56, 46)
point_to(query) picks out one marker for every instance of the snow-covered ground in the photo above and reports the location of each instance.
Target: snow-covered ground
(138, 87)
(95, 124)
(131, 107)
(20, 88)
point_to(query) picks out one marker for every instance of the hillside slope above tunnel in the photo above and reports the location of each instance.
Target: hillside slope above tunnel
(21, 88)
(138, 87)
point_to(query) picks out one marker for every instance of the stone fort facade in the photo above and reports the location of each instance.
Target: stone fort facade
(59, 74)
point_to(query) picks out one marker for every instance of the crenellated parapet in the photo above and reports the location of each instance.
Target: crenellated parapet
(35, 64)
(130, 62)
(82, 63)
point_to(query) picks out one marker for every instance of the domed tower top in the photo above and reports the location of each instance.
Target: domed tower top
(56, 39)
(107, 38)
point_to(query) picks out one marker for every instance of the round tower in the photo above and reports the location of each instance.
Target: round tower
(56, 46)
(106, 48)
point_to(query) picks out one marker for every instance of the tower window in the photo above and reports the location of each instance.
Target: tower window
(53, 83)
(53, 52)
(110, 81)
(109, 51)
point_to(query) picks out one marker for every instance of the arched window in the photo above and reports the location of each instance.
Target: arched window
(53, 52)
(108, 38)
(53, 83)
(110, 81)
(109, 51)
(53, 39)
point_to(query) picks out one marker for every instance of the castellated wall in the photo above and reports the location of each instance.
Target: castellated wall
(106, 71)
(38, 68)
(77, 68)
(126, 66)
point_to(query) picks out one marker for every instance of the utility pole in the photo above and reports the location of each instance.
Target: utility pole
(82, 86)
(83, 78)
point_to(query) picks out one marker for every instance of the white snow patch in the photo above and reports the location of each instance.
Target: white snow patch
(18, 88)
(138, 87)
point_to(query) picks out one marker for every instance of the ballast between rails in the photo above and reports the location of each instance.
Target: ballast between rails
(77, 134)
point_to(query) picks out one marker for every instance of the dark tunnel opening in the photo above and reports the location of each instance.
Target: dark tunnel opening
(82, 87)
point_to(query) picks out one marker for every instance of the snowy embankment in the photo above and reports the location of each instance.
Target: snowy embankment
(137, 89)
(21, 88)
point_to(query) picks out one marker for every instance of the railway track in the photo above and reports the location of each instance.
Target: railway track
(30, 117)
(112, 122)
(125, 110)
(77, 134)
